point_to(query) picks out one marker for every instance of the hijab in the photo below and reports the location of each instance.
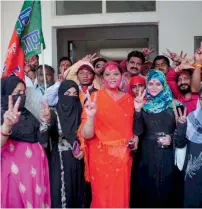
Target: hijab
(69, 110)
(8, 84)
(162, 101)
(27, 127)
(194, 123)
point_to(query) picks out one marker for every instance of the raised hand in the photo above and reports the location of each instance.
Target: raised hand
(147, 51)
(198, 55)
(186, 64)
(179, 116)
(90, 58)
(91, 105)
(177, 59)
(139, 100)
(12, 115)
(45, 114)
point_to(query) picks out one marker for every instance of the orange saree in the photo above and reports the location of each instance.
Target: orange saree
(107, 157)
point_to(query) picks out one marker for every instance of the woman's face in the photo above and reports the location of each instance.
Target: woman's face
(154, 87)
(112, 77)
(19, 89)
(71, 92)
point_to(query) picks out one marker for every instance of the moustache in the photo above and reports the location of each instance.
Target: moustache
(133, 68)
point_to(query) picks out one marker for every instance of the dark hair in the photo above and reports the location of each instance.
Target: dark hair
(99, 59)
(111, 63)
(160, 57)
(64, 59)
(137, 54)
(87, 67)
(185, 70)
(46, 66)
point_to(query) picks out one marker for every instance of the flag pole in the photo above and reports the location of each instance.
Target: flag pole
(44, 72)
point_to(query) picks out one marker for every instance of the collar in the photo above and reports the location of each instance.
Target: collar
(89, 88)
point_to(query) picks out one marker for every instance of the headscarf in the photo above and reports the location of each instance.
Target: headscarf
(27, 127)
(137, 80)
(194, 123)
(162, 101)
(8, 84)
(69, 110)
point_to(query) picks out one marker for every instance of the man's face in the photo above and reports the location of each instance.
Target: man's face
(99, 67)
(64, 65)
(134, 66)
(184, 82)
(85, 76)
(145, 68)
(161, 65)
(33, 62)
(49, 77)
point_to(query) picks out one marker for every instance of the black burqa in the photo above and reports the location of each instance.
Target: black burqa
(67, 173)
(27, 129)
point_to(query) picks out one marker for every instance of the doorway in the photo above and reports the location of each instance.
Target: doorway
(110, 42)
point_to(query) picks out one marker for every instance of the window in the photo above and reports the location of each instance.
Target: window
(197, 42)
(95, 7)
(78, 7)
(130, 6)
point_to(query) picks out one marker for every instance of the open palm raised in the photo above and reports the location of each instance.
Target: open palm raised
(91, 105)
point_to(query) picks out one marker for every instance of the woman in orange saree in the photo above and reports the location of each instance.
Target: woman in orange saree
(104, 133)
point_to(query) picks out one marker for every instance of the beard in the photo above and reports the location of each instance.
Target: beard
(184, 90)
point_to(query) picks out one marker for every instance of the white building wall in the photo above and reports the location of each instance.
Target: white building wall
(178, 23)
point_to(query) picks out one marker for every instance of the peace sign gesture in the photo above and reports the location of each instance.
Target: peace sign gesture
(91, 105)
(177, 59)
(147, 51)
(90, 58)
(12, 115)
(139, 100)
(179, 116)
(186, 64)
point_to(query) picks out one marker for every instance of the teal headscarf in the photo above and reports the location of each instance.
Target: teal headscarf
(162, 101)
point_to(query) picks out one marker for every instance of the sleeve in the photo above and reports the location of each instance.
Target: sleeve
(70, 73)
(179, 137)
(171, 78)
(45, 130)
(52, 94)
(138, 125)
(33, 101)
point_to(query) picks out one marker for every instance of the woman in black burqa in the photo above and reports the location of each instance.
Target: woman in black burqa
(66, 167)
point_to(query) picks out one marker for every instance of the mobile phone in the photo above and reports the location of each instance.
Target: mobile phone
(180, 107)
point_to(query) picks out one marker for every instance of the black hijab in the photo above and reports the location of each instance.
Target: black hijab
(8, 84)
(27, 127)
(69, 110)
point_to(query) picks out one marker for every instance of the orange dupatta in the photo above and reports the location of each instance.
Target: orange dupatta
(107, 157)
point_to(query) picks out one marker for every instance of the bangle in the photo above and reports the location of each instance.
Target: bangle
(2, 134)
(198, 65)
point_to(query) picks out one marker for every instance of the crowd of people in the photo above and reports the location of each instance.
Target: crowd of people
(104, 134)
